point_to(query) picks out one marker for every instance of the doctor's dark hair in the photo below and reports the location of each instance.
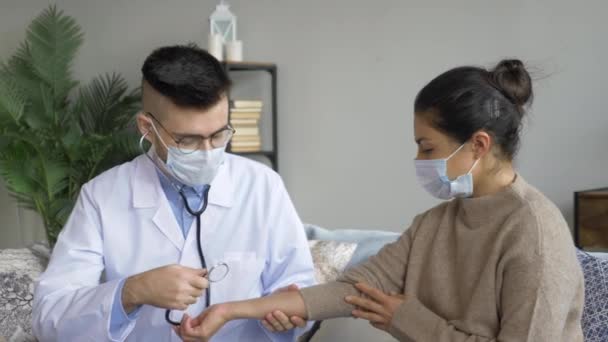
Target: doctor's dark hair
(189, 76)
(468, 99)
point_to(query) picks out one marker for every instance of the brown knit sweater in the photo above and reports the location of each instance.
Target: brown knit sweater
(495, 268)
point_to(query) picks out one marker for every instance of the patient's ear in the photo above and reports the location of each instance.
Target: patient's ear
(481, 143)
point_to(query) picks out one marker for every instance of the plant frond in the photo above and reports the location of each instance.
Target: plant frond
(106, 104)
(53, 39)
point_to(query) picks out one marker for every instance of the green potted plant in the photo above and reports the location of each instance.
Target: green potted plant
(54, 134)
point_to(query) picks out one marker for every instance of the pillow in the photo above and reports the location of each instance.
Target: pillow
(599, 255)
(314, 232)
(371, 247)
(18, 270)
(369, 242)
(595, 313)
(330, 258)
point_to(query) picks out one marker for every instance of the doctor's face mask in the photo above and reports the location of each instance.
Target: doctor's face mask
(185, 154)
(193, 167)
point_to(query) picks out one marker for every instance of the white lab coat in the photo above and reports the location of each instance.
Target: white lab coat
(123, 224)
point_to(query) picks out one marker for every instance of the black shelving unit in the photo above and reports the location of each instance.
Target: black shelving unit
(272, 155)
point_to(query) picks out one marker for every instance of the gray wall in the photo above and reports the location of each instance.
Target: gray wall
(349, 71)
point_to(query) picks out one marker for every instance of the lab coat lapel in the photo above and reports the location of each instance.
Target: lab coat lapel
(221, 200)
(148, 193)
(164, 219)
(221, 192)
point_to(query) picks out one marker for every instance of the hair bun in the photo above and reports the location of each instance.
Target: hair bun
(513, 80)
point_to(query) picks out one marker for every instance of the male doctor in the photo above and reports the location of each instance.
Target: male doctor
(133, 259)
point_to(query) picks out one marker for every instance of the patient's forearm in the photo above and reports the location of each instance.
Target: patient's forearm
(291, 303)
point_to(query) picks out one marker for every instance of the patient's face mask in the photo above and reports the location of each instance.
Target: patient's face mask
(432, 176)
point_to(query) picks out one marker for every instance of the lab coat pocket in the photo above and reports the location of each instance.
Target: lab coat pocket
(244, 278)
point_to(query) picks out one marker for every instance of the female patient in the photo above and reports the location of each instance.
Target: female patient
(496, 263)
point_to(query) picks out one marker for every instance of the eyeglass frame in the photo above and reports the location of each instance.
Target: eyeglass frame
(227, 127)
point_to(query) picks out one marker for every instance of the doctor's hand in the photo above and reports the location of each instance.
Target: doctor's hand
(379, 308)
(204, 326)
(277, 321)
(168, 287)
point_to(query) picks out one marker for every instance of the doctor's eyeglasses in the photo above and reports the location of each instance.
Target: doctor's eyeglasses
(190, 143)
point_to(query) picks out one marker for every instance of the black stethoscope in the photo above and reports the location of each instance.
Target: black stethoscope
(217, 272)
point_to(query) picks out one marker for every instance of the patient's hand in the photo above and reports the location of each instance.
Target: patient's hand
(277, 321)
(204, 326)
(378, 308)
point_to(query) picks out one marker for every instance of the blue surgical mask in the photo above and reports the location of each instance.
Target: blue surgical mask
(432, 176)
(196, 167)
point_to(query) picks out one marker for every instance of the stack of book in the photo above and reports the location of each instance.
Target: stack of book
(245, 119)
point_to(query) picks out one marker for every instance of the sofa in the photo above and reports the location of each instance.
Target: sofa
(332, 250)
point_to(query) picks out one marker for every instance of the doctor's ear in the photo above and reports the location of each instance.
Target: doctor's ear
(144, 125)
(481, 144)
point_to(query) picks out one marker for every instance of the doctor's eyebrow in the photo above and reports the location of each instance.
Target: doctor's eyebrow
(419, 140)
(186, 135)
(192, 135)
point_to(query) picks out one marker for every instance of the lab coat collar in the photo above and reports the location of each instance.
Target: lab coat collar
(147, 190)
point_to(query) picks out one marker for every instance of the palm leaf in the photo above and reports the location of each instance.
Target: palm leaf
(124, 146)
(126, 143)
(49, 171)
(53, 39)
(12, 100)
(70, 139)
(16, 169)
(60, 209)
(54, 173)
(19, 67)
(106, 104)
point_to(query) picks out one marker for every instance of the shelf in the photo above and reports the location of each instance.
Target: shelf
(271, 68)
(251, 66)
(601, 192)
(269, 154)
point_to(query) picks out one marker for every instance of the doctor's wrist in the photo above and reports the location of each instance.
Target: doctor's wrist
(131, 298)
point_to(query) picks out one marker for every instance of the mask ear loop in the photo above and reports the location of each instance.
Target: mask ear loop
(453, 153)
(474, 164)
(460, 148)
(172, 180)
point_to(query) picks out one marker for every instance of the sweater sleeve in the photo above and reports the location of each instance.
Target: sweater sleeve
(386, 271)
(413, 321)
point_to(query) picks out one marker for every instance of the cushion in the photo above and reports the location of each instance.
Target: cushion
(599, 255)
(19, 268)
(330, 258)
(369, 242)
(595, 313)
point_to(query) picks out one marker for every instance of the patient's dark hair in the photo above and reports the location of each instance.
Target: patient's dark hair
(465, 100)
(187, 75)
